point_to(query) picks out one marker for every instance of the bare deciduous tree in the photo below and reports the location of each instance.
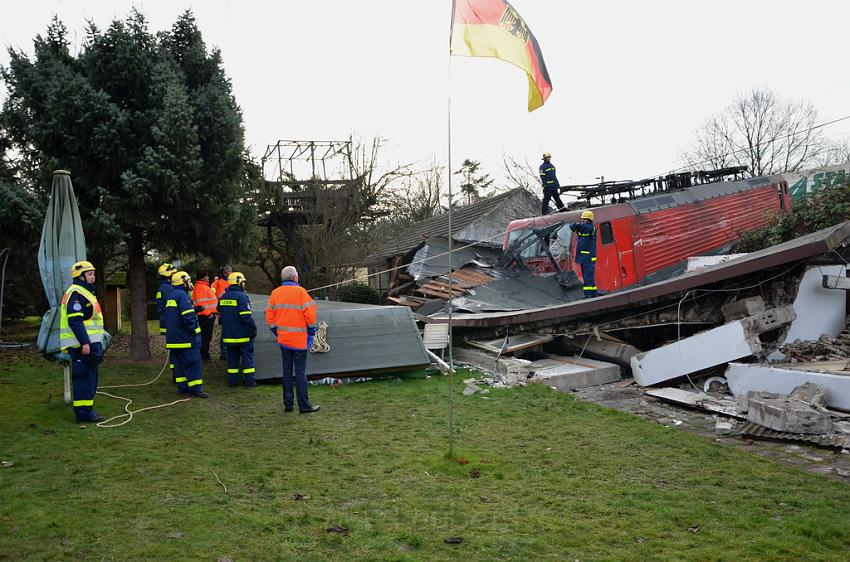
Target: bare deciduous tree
(521, 174)
(762, 131)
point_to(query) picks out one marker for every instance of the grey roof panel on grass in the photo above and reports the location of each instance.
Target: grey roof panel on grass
(363, 339)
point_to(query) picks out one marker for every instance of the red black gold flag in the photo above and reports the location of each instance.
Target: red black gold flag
(492, 28)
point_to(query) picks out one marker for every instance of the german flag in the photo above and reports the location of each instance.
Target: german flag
(493, 28)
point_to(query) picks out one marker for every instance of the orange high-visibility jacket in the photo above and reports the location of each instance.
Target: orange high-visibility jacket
(220, 286)
(291, 312)
(204, 296)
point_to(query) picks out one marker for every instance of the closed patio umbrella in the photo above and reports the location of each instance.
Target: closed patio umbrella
(63, 243)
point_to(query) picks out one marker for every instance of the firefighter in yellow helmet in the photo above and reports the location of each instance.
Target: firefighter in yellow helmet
(238, 331)
(586, 252)
(551, 187)
(183, 337)
(81, 334)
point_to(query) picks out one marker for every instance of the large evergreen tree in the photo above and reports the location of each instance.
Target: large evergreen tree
(149, 128)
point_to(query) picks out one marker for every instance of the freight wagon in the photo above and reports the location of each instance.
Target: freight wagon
(648, 239)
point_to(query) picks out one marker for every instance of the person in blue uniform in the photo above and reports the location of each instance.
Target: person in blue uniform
(183, 337)
(165, 271)
(550, 185)
(238, 331)
(82, 335)
(586, 252)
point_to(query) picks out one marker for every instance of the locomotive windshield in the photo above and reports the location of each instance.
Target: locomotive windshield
(559, 245)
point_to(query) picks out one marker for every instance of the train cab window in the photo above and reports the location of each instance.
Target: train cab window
(531, 251)
(605, 233)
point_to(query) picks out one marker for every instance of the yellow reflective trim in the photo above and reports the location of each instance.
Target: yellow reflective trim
(233, 370)
(83, 403)
(171, 365)
(187, 311)
(584, 251)
(227, 302)
(593, 259)
(245, 312)
(180, 379)
(237, 340)
(249, 370)
(75, 314)
(589, 288)
(178, 345)
(196, 383)
(159, 295)
(171, 302)
(198, 330)
(162, 330)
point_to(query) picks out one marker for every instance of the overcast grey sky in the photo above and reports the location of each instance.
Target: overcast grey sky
(632, 80)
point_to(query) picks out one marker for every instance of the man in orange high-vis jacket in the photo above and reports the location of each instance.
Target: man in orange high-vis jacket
(205, 302)
(291, 316)
(220, 285)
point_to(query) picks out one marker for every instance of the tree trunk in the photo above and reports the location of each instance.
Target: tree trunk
(139, 342)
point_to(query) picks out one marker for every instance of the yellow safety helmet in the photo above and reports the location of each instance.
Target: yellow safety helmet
(547, 155)
(81, 267)
(179, 278)
(166, 270)
(236, 278)
(587, 215)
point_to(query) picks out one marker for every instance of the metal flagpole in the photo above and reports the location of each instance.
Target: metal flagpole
(449, 170)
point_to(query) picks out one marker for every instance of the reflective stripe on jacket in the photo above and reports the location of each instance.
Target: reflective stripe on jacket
(586, 242)
(204, 296)
(292, 312)
(181, 322)
(547, 176)
(237, 324)
(91, 315)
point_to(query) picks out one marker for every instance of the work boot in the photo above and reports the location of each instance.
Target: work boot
(311, 410)
(92, 417)
(200, 394)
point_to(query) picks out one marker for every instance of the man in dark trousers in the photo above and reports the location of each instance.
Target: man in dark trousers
(183, 337)
(586, 252)
(81, 334)
(238, 330)
(205, 301)
(550, 185)
(165, 271)
(291, 316)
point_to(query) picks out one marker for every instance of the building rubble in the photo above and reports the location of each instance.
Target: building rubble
(737, 338)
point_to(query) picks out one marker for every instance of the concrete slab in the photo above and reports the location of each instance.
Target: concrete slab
(701, 351)
(788, 416)
(569, 373)
(603, 348)
(819, 311)
(742, 308)
(743, 378)
(699, 400)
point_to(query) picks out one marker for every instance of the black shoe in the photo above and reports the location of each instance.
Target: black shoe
(200, 394)
(311, 410)
(289, 409)
(92, 418)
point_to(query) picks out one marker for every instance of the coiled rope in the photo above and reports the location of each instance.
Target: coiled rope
(320, 344)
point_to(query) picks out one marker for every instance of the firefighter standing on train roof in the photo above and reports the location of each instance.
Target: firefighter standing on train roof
(82, 335)
(183, 337)
(586, 252)
(550, 184)
(238, 331)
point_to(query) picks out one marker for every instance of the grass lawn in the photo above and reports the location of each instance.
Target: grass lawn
(548, 478)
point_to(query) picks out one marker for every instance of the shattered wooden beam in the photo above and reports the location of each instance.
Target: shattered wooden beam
(836, 282)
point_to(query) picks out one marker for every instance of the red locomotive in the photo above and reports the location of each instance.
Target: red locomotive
(648, 239)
